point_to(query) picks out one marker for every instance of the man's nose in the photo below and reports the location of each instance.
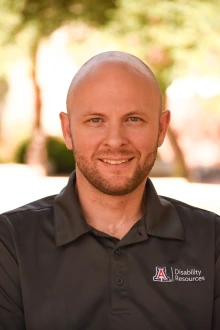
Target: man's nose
(115, 136)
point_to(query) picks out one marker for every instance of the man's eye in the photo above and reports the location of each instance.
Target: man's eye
(134, 119)
(95, 120)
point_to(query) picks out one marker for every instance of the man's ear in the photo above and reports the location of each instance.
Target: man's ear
(163, 126)
(65, 124)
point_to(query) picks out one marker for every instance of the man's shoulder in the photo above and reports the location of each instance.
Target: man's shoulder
(29, 210)
(189, 212)
(22, 225)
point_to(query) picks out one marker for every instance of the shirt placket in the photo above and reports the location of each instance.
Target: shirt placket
(119, 282)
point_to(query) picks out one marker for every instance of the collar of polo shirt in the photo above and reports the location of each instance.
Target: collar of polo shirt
(161, 218)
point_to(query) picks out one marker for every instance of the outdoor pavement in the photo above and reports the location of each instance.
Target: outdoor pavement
(21, 185)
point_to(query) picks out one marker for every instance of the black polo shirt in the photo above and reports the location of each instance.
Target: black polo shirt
(58, 273)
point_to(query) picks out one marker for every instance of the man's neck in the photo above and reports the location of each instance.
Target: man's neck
(113, 215)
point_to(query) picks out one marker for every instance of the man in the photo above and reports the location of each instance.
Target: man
(107, 252)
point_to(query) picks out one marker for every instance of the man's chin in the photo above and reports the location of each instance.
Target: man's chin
(114, 191)
(114, 184)
(124, 187)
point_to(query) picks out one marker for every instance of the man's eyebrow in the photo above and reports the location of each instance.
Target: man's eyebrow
(136, 112)
(86, 114)
(132, 112)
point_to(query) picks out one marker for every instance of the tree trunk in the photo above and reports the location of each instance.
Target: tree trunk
(180, 168)
(3, 93)
(36, 155)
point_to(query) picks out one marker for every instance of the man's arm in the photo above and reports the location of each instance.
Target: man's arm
(216, 307)
(11, 307)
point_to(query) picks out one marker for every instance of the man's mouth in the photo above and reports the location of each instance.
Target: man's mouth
(115, 162)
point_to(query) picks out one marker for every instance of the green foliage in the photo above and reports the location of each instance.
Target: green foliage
(167, 34)
(53, 13)
(60, 159)
(24, 23)
(21, 152)
(44, 17)
(3, 88)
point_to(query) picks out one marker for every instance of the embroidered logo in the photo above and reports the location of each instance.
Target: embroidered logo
(161, 275)
(170, 274)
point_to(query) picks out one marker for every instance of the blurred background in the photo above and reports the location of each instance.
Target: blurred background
(43, 44)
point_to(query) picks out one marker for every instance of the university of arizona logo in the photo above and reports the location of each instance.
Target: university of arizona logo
(161, 275)
(170, 274)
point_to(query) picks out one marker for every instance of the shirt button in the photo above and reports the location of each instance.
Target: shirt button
(119, 280)
(118, 251)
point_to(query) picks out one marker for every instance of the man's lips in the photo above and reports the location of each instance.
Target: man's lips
(115, 161)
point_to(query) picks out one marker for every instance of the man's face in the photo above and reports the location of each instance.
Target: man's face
(115, 128)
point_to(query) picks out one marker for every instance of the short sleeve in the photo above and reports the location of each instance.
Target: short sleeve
(11, 309)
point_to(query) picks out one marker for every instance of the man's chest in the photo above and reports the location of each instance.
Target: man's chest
(155, 284)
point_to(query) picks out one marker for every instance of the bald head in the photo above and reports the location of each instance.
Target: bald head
(112, 60)
(114, 123)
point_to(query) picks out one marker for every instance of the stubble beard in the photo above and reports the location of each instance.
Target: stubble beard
(97, 180)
